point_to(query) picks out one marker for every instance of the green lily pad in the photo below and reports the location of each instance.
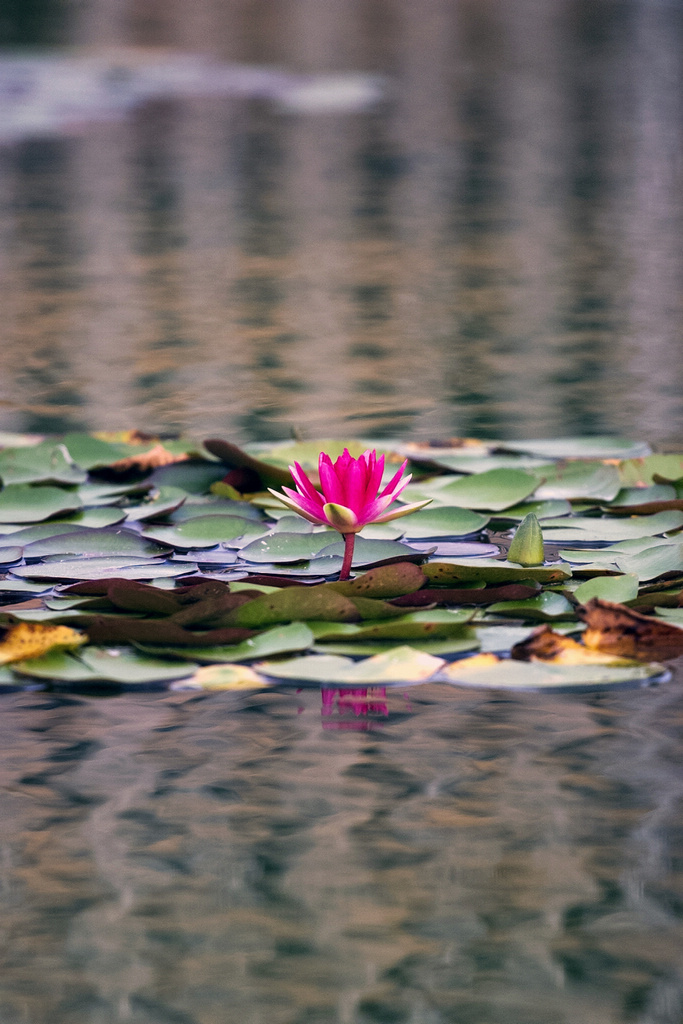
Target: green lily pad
(23, 503)
(292, 524)
(366, 648)
(588, 530)
(194, 477)
(436, 623)
(371, 552)
(446, 572)
(95, 518)
(286, 547)
(130, 568)
(636, 472)
(16, 586)
(617, 589)
(543, 608)
(96, 494)
(92, 453)
(541, 509)
(10, 556)
(129, 667)
(56, 665)
(493, 491)
(470, 464)
(197, 505)
(401, 665)
(203, 531)
(672, 615)
(629, 496)
(89, 541)
(494, 639)
(446, 521)
(165, 500)
(532, 675)
(575, 480)
(599, 447)
(279, 640)
(42, 463)
(653, 562)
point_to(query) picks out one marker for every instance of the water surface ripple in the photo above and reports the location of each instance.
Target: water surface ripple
(446, 857)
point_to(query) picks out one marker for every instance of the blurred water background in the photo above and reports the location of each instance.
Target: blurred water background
(381, 218)
(378, 218)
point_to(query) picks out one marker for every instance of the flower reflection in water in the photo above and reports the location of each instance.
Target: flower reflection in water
(357, 709)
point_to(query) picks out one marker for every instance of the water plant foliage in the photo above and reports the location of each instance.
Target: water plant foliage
(129, 561)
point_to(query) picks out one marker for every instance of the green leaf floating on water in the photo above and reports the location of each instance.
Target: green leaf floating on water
(22, 503)
(89, 541)
(286, 547)
(42, 463)
(599, 447)
(544, 608)
(640, 472)
(446, 521)
(574, 480)
(139, 568)
(493, 491)
(372, 552)
(95, 518)
(203, 531)
(56, 665)
(531, 675)
(279, 640)
(164, 500)
(437, 623)
(130, 667)
(588, 529)
(403, 664)
(617, 589)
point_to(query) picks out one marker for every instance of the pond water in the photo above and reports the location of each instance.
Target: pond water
(432, 856)
(379, 219)
(452, 218)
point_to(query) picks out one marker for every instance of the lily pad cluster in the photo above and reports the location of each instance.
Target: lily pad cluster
(129, 561)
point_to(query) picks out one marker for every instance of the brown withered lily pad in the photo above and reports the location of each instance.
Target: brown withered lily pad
(546, 645)
(616, 629)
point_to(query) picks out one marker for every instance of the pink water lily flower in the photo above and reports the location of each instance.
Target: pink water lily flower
(351, 497)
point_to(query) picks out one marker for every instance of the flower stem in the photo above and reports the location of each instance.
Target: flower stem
(349, 541)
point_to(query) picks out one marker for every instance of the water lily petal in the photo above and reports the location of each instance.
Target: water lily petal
(342, 518)
(329, 482)
(296, 505)
(303, 483)
(396, 484)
